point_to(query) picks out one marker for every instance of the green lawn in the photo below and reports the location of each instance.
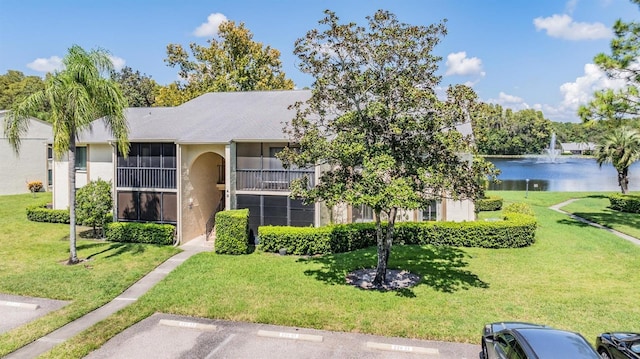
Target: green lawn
(575, 277)
(33, 257)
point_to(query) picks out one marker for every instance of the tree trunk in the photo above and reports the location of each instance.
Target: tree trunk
(390, 229)
(623, 180)
(73, 256)
(384, 247)
(381, 268)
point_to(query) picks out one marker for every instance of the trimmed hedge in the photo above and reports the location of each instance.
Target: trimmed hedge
(232, 232)
(519, 208)
(134, 232)
(625, 203)
(490, 203)
(40, 213)
(516, 230)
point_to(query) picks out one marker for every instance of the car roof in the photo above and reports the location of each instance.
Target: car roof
(626, 336)
(555, 343)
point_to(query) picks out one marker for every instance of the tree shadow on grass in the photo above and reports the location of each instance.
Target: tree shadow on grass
(440, 267)
(608, 218)
(114, 249)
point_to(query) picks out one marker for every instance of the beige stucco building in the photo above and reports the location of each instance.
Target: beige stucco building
(212, 153)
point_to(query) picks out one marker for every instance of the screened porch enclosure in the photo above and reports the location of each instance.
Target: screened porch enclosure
(146, 188)
(258, 168)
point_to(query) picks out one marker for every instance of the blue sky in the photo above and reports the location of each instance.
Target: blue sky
(517, 53)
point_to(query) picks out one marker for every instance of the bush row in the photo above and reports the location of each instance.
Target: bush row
(232, 232)
(625, 203)
(516, 230)
(490, 203)
(40, 213)
(134, 232)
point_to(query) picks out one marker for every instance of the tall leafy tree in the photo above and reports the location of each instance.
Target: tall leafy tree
(15, 86)
(139, 89)
(77, 96)
(621, 148)
(375, 123)
(231, 62)
(501, 131)
(622, 63)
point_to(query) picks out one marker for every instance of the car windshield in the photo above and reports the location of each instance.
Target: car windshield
(549, 344)
(635, 347)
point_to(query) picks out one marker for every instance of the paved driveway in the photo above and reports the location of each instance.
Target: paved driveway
(168, 336)
(16, 311)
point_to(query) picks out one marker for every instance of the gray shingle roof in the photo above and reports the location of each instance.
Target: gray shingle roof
(215, 117)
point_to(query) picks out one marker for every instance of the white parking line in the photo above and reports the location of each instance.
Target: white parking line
(19, 305)
(402, 348)
(295, 336)
(225, 342)
(190, 325)
(50, 340)
(126, 298)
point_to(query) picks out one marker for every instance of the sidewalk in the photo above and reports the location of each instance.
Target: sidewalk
(129, 296)
(556, 207)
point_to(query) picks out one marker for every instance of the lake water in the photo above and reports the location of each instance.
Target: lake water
(567, 174)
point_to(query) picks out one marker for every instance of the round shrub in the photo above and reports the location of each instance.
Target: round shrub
(489, 203)
(625, 203)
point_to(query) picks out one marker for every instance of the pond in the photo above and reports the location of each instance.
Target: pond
(566, 174)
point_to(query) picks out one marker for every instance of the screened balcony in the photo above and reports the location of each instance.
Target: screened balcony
(269, 180)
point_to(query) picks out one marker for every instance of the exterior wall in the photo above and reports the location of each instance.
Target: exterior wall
(458, 211)
(30, 164)
(99, 166)
(199, 192)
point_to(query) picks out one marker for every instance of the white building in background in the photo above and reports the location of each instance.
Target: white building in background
(33, 161)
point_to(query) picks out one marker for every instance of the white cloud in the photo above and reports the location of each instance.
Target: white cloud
(459, 64)
(510, 101)
(118, 62)
(210, 28)
(579, 92)
(46, 65)
(563, 26)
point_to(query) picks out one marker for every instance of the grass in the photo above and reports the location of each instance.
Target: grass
(33, 264)
(575, 277)
(596, 208)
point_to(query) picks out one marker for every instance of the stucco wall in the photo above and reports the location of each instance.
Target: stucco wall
(30, 164)
(458, 211)
(99, 166)
(199, 193)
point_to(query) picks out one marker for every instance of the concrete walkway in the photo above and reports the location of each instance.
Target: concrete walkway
(557, 208)
(129, 296)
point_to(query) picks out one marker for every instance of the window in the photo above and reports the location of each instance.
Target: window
(274, 162)
(50, 165)
(81, 158)
(361, 213)
(430, 213)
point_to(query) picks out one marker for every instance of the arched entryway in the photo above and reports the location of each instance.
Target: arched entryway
(203, 195)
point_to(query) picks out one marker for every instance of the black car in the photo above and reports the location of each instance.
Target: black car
(618, 345)
(516, 340)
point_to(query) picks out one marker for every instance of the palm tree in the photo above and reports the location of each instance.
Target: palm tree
(621, 148)
(76, 96)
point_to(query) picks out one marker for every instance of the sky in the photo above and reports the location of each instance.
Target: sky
(519, 54)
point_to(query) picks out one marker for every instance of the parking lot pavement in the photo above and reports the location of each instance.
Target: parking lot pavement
(169, 336)
(16, 310)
